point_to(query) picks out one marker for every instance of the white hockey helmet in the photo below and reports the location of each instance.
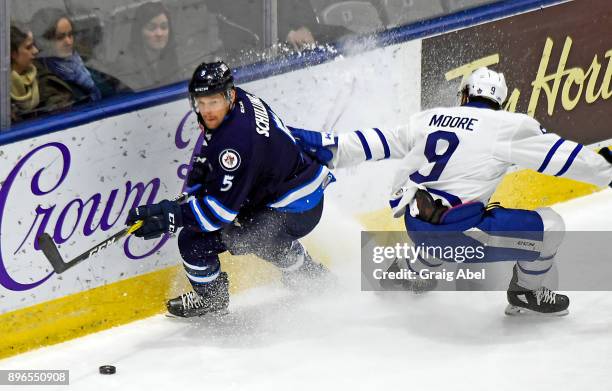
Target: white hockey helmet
(487, 84)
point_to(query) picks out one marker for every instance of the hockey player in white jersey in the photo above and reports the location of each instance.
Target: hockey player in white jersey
(453, 160)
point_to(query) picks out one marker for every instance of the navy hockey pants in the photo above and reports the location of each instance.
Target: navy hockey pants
(267, 233)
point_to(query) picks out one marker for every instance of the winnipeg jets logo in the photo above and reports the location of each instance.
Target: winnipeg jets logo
(229, 159)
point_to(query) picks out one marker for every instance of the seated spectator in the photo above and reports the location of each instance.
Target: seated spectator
(150, 59)
(241, 26)
(298, 26)
(25, 95)
(63, 78)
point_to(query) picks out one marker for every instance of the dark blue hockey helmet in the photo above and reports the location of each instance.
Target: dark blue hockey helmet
(211, 78)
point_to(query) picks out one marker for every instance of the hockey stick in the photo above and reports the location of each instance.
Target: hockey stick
(49, 249)
(330, 123)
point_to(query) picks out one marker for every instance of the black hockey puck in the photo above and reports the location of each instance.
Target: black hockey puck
(107, 369)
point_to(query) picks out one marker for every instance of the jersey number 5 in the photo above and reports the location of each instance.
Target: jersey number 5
(227, 182)
(439, 161)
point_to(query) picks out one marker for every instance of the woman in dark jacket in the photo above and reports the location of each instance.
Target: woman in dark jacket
(150, 59)
(63, 78)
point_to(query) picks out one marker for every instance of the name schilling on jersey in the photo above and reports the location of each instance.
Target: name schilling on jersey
(262, 120)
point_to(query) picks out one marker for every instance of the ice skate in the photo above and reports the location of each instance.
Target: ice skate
(541, 301)
(310, 275)
(212, 298)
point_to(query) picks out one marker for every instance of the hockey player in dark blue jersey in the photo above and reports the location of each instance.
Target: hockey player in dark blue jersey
(259, 194)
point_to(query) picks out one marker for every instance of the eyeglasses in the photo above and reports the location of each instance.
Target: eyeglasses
(62, 36)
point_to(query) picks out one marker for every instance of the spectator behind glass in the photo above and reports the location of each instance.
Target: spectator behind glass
(24, 85)
(150, 59)
(241, 26)
(63, 78)
(299, 27)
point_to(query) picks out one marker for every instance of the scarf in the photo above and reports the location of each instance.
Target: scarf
(73, 70)
(24, 89)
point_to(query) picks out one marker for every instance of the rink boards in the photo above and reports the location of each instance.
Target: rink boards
(78, 185)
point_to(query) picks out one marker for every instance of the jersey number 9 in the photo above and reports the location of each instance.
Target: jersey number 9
(439, 161)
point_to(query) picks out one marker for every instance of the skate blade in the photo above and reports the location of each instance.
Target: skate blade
(211, 314)
(512, 310)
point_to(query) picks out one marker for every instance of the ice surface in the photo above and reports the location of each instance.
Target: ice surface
(348, 339)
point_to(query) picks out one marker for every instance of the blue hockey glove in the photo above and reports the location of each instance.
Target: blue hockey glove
(316, 144)
(157, 219)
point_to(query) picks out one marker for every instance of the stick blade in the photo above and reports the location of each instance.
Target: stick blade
(48, 247)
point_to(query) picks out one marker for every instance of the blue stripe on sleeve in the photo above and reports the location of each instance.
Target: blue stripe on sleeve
(383, 140)
(570, 160)
(205, 223)
(364, 143)
(550, 155)
(221, 212)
